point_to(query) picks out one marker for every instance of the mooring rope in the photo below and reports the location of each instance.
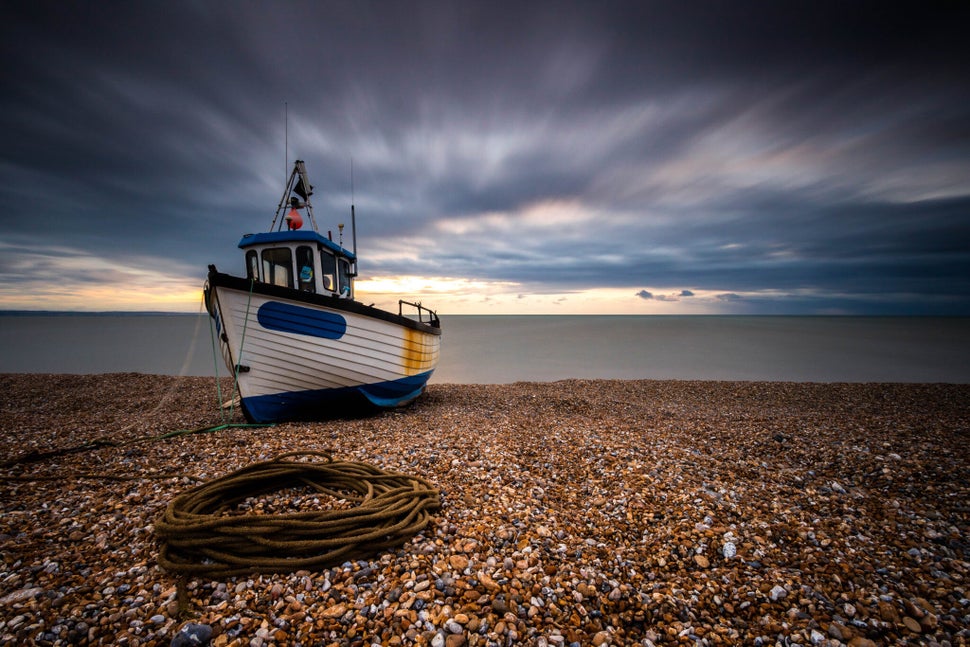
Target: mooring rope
(215, 361)
(203, 533)
(34, 456)
(242, 343)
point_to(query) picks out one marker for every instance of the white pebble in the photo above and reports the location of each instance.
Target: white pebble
(453, 627)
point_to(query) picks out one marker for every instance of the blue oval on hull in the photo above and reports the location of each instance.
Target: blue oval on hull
(286, 317)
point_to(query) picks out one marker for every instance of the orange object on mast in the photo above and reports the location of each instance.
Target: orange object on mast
(293, 219)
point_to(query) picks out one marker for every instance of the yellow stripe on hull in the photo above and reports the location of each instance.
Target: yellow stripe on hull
(419, 351)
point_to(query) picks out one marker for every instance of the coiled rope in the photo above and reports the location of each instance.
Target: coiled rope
(203, 532)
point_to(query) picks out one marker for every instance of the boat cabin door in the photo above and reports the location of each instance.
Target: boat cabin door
(335, 274)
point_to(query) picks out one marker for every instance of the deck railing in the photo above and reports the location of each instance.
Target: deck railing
(424, 315)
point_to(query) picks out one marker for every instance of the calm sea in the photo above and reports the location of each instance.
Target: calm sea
(501, 349)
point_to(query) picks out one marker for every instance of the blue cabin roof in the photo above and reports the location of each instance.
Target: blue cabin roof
(296, 236)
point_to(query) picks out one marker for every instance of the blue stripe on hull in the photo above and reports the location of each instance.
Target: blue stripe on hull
(302, 405)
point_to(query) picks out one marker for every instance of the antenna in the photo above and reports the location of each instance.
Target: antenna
(286, 139)
(353, 216)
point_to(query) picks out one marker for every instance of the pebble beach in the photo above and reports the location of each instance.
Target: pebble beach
(573, 513)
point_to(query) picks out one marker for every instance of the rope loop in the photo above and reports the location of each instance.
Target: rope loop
(216, 529)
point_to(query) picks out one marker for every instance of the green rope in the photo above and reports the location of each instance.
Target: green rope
(208, 430)
(202, 532)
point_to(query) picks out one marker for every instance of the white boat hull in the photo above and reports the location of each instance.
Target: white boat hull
(308, 355)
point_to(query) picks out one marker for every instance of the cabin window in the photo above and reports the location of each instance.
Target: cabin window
(346, 289)
(278, 266)
(252, 265)
(328, 271)
(304, 268)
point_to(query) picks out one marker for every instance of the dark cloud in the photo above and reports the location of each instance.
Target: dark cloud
(808, 156)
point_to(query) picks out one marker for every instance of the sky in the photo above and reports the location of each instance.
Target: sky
(508, 157)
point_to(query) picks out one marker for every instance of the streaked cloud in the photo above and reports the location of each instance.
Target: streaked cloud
(701, 157)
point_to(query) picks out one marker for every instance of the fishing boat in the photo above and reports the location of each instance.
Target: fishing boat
(298, 343)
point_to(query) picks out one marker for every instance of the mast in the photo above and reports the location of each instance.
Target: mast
(353, 215)
(299, 184)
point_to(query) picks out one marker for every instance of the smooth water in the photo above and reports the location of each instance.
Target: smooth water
(94, 343)
(496, 349)
(503, 348)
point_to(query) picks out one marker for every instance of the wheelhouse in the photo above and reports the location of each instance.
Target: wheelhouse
(302, 260)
